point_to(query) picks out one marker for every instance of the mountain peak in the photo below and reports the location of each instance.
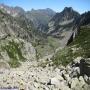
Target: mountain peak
(68, 8)
(67, 14)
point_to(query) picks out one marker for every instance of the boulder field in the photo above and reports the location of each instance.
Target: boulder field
(31, 76)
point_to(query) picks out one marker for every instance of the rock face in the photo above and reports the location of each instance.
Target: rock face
(64, 25)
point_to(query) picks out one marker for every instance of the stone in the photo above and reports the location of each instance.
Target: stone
(53, 81)
(74, 83)
(85, 77)
(77, 60)
(81, 79)
(67, 77)
(63, 86)
(36, 85)
(75, 72)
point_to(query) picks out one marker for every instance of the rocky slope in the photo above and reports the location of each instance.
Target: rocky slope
(13, 27)
(30, 76)
(15, 40)
(64, 25)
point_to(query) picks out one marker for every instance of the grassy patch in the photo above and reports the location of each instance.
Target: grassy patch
(14, 52)
(48, 47)
(83, 41)
(53, 43)
(63, 57)
(43, 50)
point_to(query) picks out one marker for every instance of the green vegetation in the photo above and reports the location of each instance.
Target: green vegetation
(53, 43)
(63, 57)
(14, 52)
(83, 41)
(79, 47)
(46, 47)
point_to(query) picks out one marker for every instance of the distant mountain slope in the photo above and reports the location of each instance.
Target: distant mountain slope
(67, 18)
(85, 18)
(14, 11)
(19, 15)
(40, 17)
(64, 24)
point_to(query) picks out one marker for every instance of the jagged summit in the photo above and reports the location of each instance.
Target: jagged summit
(64, 24)
(68, 8)
(67, 14)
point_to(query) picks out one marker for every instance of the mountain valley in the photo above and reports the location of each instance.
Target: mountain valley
(44, 50)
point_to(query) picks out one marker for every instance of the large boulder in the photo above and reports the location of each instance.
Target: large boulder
(53, 81)
(59, 83)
